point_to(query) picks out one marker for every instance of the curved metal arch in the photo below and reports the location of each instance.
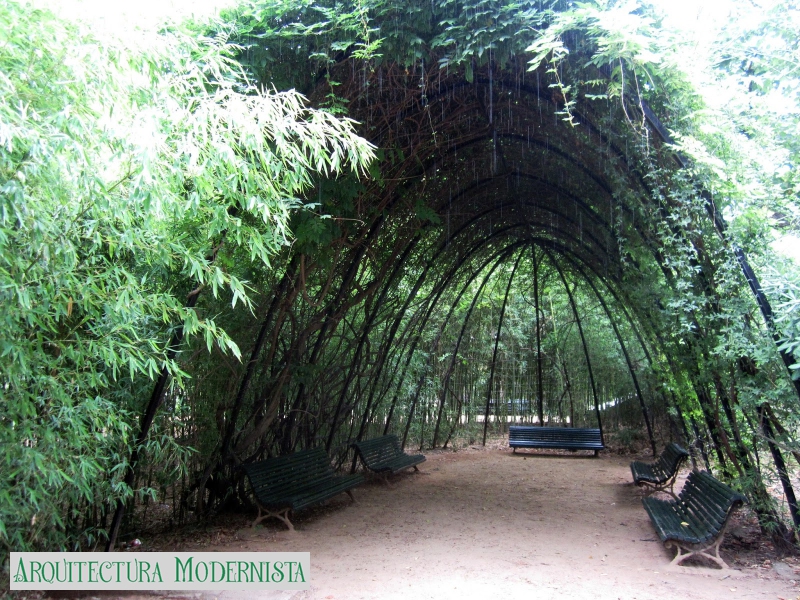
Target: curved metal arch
(572, 304)
(547, 208)
(544, 227)
(497, 256)
(521, 175)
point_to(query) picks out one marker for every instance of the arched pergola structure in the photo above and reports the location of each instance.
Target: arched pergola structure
(474, 174)
(489, 181)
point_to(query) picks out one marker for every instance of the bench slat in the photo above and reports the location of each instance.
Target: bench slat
(296, 481)
(565, 438)
(661, 474)
(384, 455)
(321, 491)
(696, 520)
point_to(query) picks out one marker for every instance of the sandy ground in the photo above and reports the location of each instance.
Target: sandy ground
(484, 524)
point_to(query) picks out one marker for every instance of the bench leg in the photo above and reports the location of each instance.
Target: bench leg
(350, 493)
(283, 515)
(680, 555)
(668, 487)
(650, 488)
(671, 490)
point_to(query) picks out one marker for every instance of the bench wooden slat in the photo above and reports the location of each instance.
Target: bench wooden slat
(660, 475)
(295, 481)
(383, 455)
(696, 520)
(564, 438)
(323, 490)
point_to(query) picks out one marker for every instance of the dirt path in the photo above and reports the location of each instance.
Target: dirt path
(485, 524)
(492, 524)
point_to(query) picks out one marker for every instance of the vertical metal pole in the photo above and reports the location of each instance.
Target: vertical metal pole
(539, 391)
(496, 344)
(583, 341)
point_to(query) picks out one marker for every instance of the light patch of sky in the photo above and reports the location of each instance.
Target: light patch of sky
(142, 14)
(787, 245)
(700, 23)
(700, 19)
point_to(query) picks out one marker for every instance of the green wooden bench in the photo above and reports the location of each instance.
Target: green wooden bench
(695, 522)
(384, 456)
(661, 474)
(295, 481)
(561, 438)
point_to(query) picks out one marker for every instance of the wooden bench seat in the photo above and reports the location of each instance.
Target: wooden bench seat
(562, 438)
(295, 481)
(695, 522)
(660, 475)
(384, 456)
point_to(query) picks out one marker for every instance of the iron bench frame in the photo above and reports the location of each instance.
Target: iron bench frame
(288, 483)
(660, 476)
(696, 521)
(384, 456)
(561, 438)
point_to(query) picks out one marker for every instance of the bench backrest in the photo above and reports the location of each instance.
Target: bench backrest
(671, 458)
(379, 449)
(554, 434)
(283, 474)
(708, 499)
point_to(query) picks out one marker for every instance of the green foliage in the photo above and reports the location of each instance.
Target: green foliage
(194, 176)
(475, 32)
(126, 177)
(733, 119)
(619, 38)
(785, 292)
(457, 34)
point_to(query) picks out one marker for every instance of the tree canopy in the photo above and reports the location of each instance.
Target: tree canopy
(307, 223)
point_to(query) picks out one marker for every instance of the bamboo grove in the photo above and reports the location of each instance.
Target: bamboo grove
(527, 244)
